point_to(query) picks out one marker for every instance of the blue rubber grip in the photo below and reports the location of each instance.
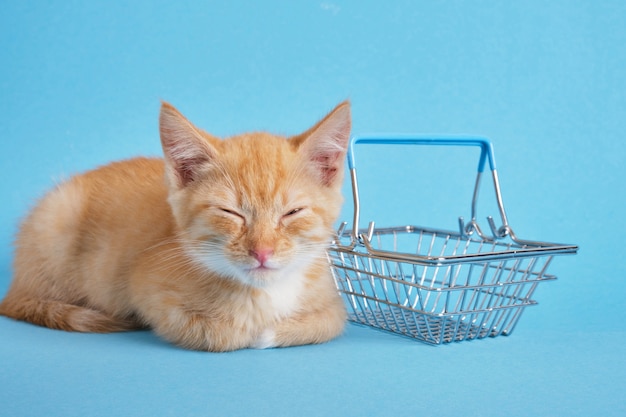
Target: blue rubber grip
(485, 146)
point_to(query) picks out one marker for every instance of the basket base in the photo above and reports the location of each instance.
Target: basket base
(440, 329)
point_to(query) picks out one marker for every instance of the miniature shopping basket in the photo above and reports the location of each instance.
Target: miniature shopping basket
(453, 286)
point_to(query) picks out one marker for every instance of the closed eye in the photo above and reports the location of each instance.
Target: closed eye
(293, 212)
(231, 212)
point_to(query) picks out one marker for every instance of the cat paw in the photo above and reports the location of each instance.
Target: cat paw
(266, 339)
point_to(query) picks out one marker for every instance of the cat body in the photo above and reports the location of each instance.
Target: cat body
(218, 246)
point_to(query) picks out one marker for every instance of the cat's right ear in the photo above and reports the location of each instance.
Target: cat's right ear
(325, 145)
(187, 153)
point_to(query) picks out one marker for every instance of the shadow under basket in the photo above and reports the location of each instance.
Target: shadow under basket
(439, 286)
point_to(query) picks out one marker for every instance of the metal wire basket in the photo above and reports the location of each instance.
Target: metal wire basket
(455, 286)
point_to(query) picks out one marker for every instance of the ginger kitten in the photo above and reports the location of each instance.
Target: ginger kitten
(219, 246)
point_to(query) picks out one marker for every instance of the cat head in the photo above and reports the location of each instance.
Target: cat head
(255, 207)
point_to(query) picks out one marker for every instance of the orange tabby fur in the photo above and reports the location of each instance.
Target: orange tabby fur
(219, 246)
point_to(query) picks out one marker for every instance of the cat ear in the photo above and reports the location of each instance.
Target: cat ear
(324, 145)
(187, 151)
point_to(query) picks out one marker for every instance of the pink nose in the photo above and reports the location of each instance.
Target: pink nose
(262, 254)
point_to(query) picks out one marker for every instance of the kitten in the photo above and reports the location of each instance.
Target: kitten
(220, 246)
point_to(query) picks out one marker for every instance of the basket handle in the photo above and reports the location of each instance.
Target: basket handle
(486, 155)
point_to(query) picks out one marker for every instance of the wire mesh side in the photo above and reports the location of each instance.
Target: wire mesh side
(388, 304)
(437, 304)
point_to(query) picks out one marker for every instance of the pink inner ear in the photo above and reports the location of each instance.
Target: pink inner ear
(189, 168)
(185, 149)
(186, 154)
(327, 152)
(327, 166)
(327, 144)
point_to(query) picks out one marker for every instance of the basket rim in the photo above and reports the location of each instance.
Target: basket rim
(517, 249)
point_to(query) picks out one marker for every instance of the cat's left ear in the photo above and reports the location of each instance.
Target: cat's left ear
(188, 153)
(325, 144)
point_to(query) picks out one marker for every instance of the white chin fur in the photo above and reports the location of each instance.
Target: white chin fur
(283, 286)
(273, 275)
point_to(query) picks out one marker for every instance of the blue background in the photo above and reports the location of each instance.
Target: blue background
(81, 83)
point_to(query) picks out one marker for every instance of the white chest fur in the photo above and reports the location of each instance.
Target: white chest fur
(284, 298)
(285, 294)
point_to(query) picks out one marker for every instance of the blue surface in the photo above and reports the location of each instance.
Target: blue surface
(80, 84)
